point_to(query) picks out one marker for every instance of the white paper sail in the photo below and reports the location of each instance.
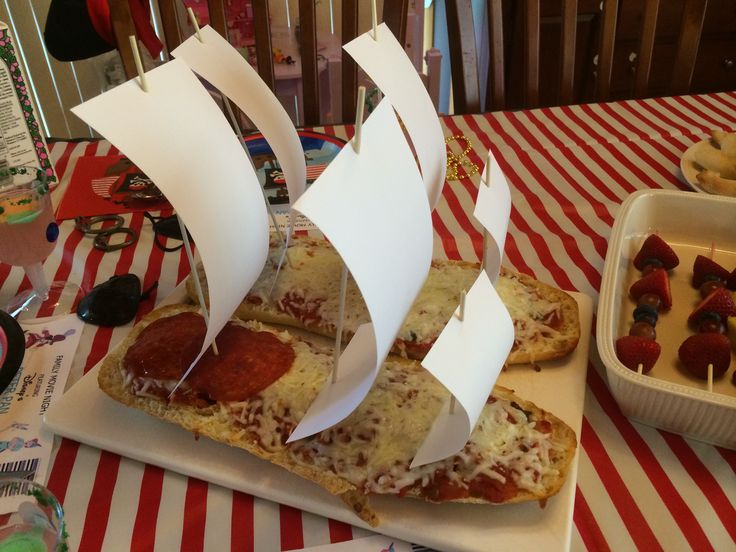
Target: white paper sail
(373, 207)
(468, 355)
(386, 63)
(493, 209)
(226, 69)
(467, 358)
(178, 136)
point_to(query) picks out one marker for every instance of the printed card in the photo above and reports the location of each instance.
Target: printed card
(25, 445)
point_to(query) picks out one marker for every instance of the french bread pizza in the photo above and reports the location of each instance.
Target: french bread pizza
(306, 295)
(257, 389)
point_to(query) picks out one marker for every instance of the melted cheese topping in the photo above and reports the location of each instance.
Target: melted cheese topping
(529, 311)
(309, 291)
(373, 447)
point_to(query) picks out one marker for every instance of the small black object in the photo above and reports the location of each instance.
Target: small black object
(111, 303)
(167, 227)
(16, 349)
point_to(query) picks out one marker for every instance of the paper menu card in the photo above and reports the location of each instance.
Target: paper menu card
(373, 207)
(493, 209)
(225, 68)
(386, 63)
(21, 131)
(178, 136)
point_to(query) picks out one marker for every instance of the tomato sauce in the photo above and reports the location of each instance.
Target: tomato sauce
(442, 489)
(247, 363)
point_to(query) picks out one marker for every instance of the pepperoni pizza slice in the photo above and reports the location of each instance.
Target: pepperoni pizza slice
(306, 294)
(257, 389)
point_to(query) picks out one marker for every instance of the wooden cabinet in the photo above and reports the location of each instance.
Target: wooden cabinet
(715, 68)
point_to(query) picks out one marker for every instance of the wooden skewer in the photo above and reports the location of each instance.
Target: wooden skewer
(340, 320)
(460, 315)
(452, 404)
(359, 107)
(710, 378)
(712, 250)
(374, 19)
(193, 19)
(138, 63)
(640, 368)
(344, 276)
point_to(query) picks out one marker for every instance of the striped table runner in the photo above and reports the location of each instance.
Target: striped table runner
(569, 169)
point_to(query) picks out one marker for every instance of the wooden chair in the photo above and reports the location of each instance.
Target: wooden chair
(463, 52)
(394, 14)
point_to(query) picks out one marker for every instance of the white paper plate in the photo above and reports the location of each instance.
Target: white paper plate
(668, 397)
(689, 169)
(559, 388)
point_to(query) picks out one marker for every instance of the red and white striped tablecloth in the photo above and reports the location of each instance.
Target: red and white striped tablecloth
(569, 168)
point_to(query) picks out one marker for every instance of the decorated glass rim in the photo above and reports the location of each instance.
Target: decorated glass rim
(19, 199)
(46, 515)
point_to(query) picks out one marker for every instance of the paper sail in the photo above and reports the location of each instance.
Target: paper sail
(493, 209)
(373, 207)
(386, 63)
(178, 136)
(467, 358)
(225, 68)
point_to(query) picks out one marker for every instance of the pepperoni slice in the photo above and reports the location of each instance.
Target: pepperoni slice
(247, 363)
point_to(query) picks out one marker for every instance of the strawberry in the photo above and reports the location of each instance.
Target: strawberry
(700, 350)
(719, 301)
(731, 281)
(703, 267)
(633, 350)
(656, 282)
(655, 247)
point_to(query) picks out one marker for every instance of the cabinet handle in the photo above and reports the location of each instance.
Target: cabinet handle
(728, 63)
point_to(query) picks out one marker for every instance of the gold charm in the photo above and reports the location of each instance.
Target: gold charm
(456, 161)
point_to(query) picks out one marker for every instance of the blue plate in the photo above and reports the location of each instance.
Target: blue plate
(319, 150)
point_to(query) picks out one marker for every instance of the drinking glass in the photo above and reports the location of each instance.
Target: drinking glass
(28, 234)
(36, 521)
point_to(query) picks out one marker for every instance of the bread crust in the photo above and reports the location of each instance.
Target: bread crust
(553, 345)
(215, 422)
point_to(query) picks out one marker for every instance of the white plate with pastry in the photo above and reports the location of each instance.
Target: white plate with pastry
(709, 166)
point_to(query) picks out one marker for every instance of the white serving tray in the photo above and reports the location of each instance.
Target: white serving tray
(669, 397)
(559, 387)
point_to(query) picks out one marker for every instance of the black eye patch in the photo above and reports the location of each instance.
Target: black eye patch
(114, 302)
(13, 349)
(167, 227)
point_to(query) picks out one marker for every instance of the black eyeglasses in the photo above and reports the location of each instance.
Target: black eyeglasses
(167, 227)
(114, 302)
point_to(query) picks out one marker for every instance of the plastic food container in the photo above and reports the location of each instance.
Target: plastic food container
(669, 397)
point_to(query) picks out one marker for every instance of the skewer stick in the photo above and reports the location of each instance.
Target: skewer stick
(374, 19)
(359, 107)
(710, 378)
(195, 275)
(640, 368)
(340, 320)
(460, 315)
(712, 250)
(344, 276)
(271, 214)
(195, 24)
(484, 262)
(138, 63)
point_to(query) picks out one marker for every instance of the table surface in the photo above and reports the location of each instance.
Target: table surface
(569, 169)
